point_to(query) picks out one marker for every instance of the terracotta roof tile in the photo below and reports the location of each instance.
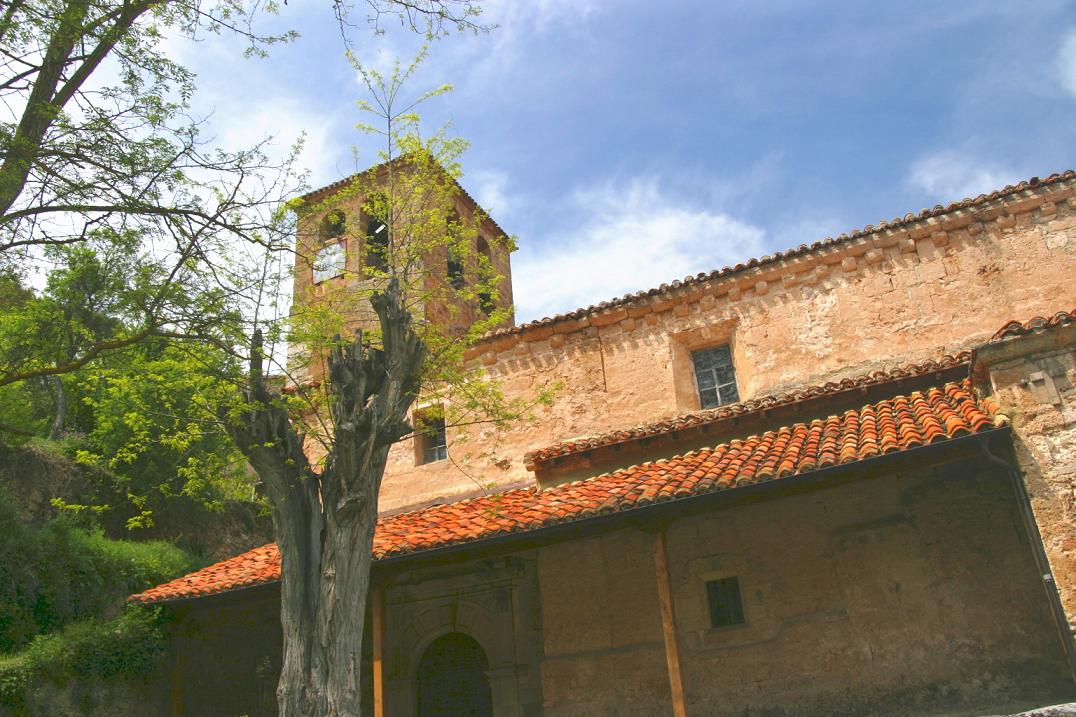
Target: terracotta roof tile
(895, 223)
(254, 567)
(1039, 323)
(896, 424)
(756, 405)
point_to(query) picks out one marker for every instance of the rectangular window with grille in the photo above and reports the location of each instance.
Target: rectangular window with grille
(432, 438)
(726, 606)
(714, 377)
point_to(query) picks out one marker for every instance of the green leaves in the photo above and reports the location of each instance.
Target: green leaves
(154, 424)
(57, 574)
(95, 651)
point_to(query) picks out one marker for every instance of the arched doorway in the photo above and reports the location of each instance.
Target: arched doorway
(452, 679)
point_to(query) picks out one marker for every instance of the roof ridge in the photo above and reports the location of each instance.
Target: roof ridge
(462, 501)
(344, 181)
(962, 383)
(909, 218)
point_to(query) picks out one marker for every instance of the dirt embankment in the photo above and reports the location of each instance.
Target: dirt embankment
(32, 476)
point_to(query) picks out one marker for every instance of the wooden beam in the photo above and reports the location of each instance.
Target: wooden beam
(377, 609)
(668, 626)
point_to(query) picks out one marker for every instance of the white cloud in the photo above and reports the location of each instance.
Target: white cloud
(474, 65)
(1066, 62)
(382, 56)
(950, 175)
(283, 118)
(629, 237)
(249, 104)
(490, 190)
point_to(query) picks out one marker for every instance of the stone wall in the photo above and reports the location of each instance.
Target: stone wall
(910, 591)
(907, 292)
(604, 651)
(226, 656)
(493, 601)
(908, 594)
(1034, 379)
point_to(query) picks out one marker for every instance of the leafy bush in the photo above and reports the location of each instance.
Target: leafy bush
(128, 647)
(57, 574)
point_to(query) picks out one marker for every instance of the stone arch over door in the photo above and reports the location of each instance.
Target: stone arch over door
(491, 630)
(453, 678)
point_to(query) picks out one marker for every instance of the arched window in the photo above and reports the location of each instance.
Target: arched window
(453, 679)
(454, 269)
(331, 258)
(454, 261)
(485, 293)
(333, 225)
(377, 235)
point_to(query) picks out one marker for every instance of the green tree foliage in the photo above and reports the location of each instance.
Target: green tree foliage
(150, 231)
(151, 421)
(128, 647)
(146, 413)
(97, 144)
(98, 151)
(57, 574)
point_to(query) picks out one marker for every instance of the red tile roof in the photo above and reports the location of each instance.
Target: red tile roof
(1039, 323)
(939, 210)
(722, 413)
(889, 426)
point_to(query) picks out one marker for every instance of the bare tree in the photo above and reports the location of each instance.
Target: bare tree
(423, 316)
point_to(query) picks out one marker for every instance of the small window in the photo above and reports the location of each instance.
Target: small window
(432, 444)
(714, 377)
(377, 244)
(726, 606)
(455, 269)
(485, 293)
(329, 262)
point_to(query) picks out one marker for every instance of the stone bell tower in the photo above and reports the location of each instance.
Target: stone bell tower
(341, 242)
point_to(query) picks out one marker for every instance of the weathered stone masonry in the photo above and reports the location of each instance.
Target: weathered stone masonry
(904, 543)
(904, 291)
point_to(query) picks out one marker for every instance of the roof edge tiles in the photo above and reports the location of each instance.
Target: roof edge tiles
(1034, 183)
(1015, 329)
(695, 419)
(895, 425)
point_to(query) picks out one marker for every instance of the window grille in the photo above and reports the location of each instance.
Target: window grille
(434, 443)
(726, 606)
(715, 377)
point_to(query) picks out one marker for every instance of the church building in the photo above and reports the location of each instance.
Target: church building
(836, 480)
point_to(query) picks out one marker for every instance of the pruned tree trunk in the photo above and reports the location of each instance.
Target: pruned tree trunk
(325, 522)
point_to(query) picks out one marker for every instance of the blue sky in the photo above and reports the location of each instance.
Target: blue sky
(627, 144)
